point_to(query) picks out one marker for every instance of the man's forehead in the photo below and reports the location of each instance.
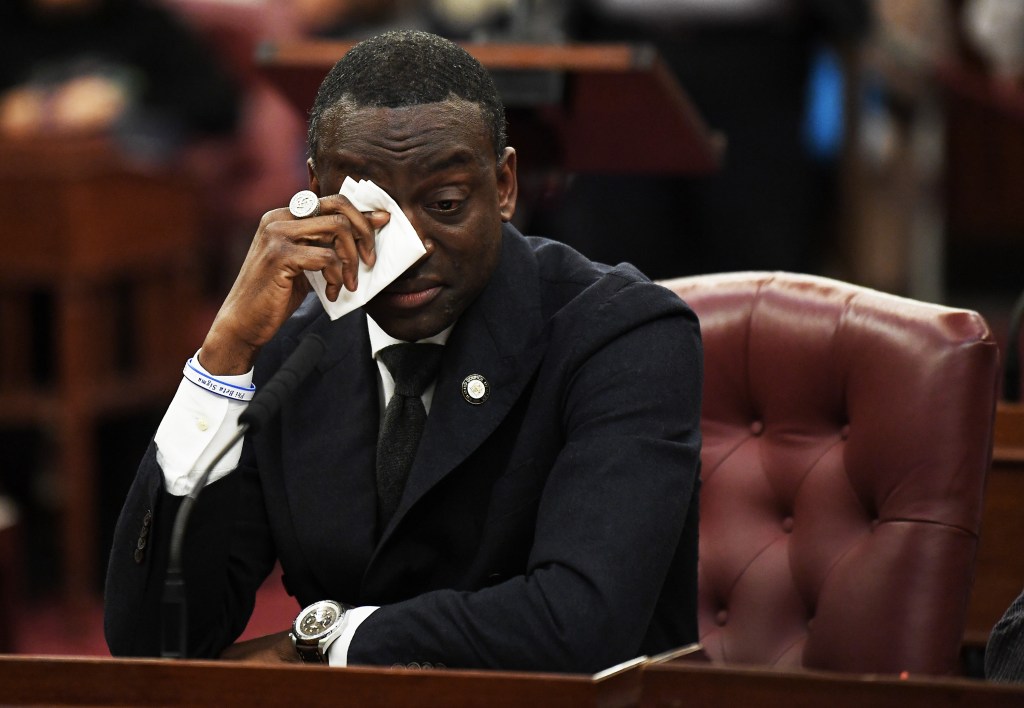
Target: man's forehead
(349, 124)
(435, 164)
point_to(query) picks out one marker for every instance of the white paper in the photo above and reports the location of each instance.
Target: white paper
(397, 244)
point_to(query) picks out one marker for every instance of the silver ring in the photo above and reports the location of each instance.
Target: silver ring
(304, 204)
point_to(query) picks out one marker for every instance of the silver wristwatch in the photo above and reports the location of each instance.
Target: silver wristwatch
(316, 628)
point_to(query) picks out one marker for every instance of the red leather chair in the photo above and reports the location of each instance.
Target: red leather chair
(847, 434)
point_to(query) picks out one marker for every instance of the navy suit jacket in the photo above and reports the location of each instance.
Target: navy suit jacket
(552, 527)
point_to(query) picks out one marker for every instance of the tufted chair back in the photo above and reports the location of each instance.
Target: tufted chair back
(847, 434)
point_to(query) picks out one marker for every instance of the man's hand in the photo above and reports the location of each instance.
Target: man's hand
(271, 283)
(271, 649)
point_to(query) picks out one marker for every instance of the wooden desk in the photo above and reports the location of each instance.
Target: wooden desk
(614, 107)
(109, 682)
(999, 577)
(51, 681)
(710, 686)
(113, 246)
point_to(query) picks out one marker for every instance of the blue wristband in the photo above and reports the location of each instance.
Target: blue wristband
(216, 386)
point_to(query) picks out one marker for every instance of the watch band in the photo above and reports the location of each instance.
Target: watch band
(315, 653)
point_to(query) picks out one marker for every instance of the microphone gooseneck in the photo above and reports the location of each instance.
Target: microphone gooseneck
(282, 384)
(263, 407)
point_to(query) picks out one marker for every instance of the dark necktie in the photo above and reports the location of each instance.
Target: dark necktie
(413, 366)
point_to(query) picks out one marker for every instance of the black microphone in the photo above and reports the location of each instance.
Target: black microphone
(293, 371)
(264, 405)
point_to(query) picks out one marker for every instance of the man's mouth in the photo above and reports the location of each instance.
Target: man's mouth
(410, 294)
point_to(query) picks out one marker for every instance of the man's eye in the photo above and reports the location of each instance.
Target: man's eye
(445, 205)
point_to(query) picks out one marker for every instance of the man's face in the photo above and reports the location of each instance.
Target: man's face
(437, 162)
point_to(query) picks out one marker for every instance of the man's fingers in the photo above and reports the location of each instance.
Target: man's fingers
(362, 226)
(340, 227)
(340, 272)
(367, 246)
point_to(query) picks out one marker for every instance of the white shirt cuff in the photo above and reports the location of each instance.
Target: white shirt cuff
(337, 653)
(194, 429)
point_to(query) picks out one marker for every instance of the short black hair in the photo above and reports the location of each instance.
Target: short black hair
(408, 68)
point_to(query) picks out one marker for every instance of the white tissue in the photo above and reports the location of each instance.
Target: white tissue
(397, 244)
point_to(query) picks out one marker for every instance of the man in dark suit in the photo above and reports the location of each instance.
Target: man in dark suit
(549, 518)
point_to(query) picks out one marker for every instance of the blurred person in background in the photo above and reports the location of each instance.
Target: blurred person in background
(995, 28)
(129, 69)
(332, 18)
(472, 20)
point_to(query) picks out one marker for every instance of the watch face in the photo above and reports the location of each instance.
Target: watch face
(317, 619)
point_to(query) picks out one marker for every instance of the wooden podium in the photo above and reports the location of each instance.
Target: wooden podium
(26, 681)
(612, 108)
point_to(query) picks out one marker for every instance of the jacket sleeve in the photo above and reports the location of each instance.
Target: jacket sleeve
(226, 554)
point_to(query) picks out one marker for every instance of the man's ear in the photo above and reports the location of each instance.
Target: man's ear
(314, 183)
(508, 185)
